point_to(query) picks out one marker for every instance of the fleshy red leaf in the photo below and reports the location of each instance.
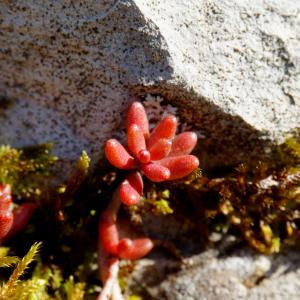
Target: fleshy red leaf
(6, 215)
(6, 221)
(156, 172)
(128, 195)
(134, 249)
(184, 143)
(160, 149)
(137, 115)
(108, 233)
(5, 197)
(118, 155)
(144, 156)
(137, 144)
(136, 181)
(165, 129)
(180, 166)
(131, 189)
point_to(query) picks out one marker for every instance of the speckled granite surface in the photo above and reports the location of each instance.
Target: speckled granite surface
(70, 66)
(217, 274)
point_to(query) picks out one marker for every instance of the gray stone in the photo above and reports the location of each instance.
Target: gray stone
(67, 69)
(239, 65)
(215, 275)
(70, 67)
(232, 68)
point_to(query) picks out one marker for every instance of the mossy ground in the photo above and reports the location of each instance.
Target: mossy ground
(258, 202)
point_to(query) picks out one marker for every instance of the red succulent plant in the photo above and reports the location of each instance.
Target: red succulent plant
(12, 221)
(6, 214)
(160, 156)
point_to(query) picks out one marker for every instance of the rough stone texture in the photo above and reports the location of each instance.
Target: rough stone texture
(213, 275)
(241, 60)
(70, 66)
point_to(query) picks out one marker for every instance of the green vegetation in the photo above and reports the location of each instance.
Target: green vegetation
(258, 202)
(42, 280)
(14, 288)
(23, 169)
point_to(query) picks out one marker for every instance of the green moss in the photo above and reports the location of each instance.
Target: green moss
(57, 222)
(74, 291)
(261, 200)
(16, 289)
(67, 191)
(258, 202)
(162, 206)
(134, 297)
(43, 281)
(25, 168)
(157, 201)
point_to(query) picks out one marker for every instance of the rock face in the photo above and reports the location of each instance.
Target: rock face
(213, 275)
(69, 68)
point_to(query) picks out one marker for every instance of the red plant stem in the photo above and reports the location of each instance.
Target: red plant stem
(160, 157)
(108, 265)
(111, 288)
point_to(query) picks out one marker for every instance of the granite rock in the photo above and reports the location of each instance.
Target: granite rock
(238, 63)
(69, 68)
(66, 67)
(214, 275)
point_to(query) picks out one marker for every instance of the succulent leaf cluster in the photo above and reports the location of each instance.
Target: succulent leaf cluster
(160, 156)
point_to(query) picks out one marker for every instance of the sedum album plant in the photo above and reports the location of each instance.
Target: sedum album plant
(160, 156)
(12, 221)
